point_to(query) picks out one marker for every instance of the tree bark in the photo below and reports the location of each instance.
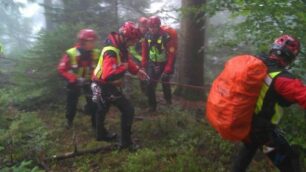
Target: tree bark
(48, 14)
(191, 64)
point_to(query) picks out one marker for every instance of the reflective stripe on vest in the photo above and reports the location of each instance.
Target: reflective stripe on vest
(155, 54)
(73, 54)
(99, 69)
(278, 109)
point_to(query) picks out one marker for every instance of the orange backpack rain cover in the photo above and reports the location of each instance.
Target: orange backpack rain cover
(233, 96)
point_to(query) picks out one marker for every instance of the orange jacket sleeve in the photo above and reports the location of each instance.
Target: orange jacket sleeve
(64, 68)
(293, 90)
(171, 54)
(111, 69)
(133, 68)
(171, 48)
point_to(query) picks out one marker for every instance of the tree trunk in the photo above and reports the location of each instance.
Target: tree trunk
(48, 14)
(191, 63)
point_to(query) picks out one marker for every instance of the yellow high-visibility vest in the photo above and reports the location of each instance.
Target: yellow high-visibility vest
(134, 53)
(155, 54)
(260, 102)
(99, 69)
(73, 54)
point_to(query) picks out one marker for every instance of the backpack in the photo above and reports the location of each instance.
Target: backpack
(233, 96)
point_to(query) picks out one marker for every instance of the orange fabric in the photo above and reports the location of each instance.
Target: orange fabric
(233, 96)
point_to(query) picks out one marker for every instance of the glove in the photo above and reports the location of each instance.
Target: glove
(142, 75)
(96, 92)
(165, 77)
(81, 81)
(72, 80)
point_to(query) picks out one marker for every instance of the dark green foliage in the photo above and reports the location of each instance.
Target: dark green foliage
(25, 166)
(253, 26)
(260, 22)
(172, 139)
(293, 124)
(23, 137)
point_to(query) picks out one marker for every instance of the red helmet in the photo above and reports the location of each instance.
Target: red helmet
(286, 47)
(143, 21)
(154, 21)
(87, 35)
(130, 31)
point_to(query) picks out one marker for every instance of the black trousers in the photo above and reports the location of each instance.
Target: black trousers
(273, 144)
(73, 94)
(111, 95)
(142, 84)
(155, 71)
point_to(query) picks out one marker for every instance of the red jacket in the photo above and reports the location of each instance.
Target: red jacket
(291, 89)
(170, 47)
(111, 69)
(85, 61)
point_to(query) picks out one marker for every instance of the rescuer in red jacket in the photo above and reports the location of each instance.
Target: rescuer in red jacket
(135, 50)
(281, 89)
(107, 77)
(76, 66)
(158, 57)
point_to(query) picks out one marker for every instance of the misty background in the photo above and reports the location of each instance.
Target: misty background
(35, 34)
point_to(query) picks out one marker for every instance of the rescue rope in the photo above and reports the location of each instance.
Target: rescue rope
(176, 84)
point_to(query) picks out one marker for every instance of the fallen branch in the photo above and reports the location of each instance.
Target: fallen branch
(81, 152)
(139, 117)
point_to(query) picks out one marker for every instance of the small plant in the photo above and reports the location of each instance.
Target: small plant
(25, 137)
(24, 166)
(144, 160)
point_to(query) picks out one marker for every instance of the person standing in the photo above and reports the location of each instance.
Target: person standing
(281, 89)
(158, 57)
(76, 66)
(107, 82)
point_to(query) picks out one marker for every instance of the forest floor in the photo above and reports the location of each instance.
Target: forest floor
(175, 138)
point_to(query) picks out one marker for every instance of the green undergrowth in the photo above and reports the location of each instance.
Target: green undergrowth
(171, 139)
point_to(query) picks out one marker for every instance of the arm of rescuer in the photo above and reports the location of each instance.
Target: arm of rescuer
(64, 69)
(171, 48)
(291, 89)
(113, 71)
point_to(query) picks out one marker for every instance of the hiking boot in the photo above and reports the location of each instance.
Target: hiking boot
(107, 137)
(129, 147)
